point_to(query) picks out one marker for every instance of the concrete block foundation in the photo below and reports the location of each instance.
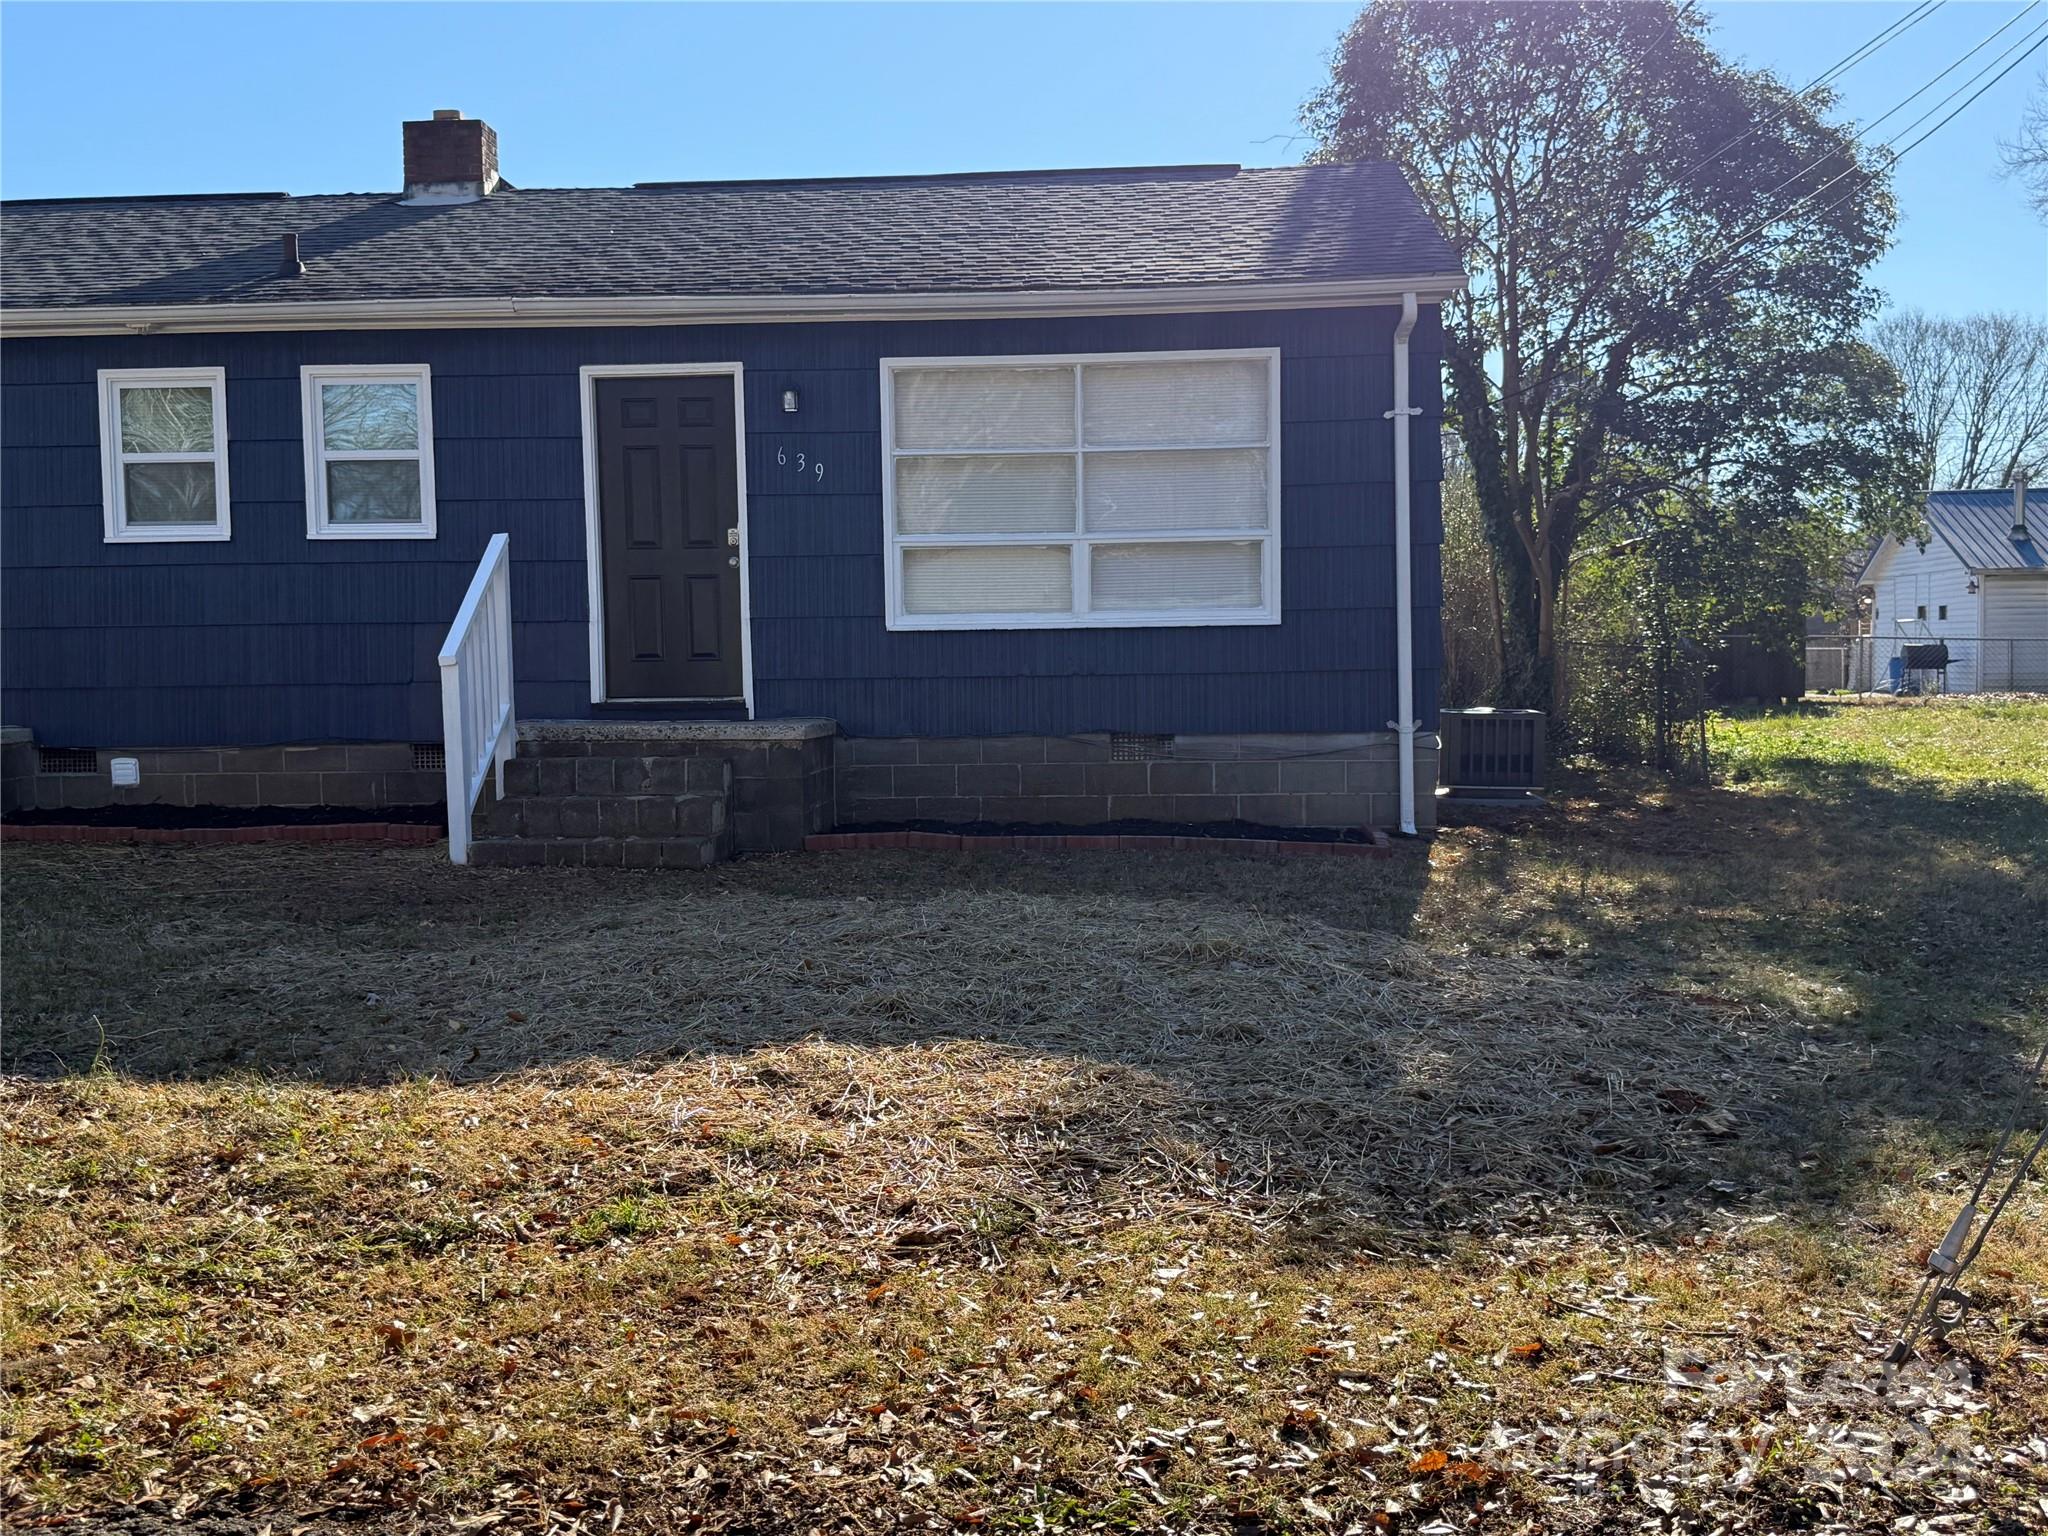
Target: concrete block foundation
(1328, 780)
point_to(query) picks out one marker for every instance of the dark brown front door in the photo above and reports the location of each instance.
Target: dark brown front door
(668, 514)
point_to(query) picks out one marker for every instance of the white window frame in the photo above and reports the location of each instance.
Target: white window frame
(1081, 542)
(311, 378)
(114, 484)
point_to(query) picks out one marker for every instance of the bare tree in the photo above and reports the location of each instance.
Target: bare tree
(1977, 393)
(2026, 156)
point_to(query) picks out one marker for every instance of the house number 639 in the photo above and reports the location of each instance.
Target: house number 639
(804, 464)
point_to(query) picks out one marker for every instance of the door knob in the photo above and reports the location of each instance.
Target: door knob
(732, 559)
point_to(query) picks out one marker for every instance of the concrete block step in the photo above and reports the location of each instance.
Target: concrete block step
(621, 774)
(611, 815)
(601, 852)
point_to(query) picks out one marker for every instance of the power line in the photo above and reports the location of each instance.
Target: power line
(1965, 85)
(2031, 42)
(1868, 48)
(1858, 136)
(1856, 56)
(1958, 64)
(1835, 71)
(1896, 151)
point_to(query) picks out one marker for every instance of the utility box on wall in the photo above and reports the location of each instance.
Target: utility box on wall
(1492, 754)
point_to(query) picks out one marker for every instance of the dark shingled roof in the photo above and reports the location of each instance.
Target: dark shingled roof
(1036, 231)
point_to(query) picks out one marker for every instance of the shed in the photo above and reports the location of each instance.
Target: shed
(1976, 582)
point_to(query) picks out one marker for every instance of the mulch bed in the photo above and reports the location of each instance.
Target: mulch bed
(227, 824)
(1234, 837)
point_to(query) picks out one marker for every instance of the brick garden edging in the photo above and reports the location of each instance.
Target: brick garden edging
(332, 832)
(1095, 842)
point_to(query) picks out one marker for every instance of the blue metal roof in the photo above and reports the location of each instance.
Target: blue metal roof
(1977, 525)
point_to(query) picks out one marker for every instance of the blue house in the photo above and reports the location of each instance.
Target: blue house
(682, 516)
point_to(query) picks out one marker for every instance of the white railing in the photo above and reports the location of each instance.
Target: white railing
(477, 725)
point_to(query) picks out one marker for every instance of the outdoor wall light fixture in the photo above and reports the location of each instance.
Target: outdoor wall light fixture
(1973, 586)
(789, 402)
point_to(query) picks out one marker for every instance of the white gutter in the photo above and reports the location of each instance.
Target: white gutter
(688, 309)
(1404, 573)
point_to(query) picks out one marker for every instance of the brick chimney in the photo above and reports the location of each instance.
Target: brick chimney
(450, 159)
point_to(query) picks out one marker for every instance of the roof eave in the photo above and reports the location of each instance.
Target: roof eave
(684, 309)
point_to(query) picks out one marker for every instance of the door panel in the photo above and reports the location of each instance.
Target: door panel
(667, 501)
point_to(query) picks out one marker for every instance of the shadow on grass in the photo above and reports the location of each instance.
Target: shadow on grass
(1637, 1002)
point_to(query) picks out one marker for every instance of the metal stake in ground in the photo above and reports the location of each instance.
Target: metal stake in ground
(1950, 1261)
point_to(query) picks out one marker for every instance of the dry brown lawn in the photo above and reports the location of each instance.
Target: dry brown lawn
(1564, 1175)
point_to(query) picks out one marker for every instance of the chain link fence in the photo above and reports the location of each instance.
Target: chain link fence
(1926, 664)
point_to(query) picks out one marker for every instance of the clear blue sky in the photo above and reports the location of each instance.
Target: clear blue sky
(308, 98)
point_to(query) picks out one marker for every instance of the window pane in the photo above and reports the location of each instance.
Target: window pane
(1004, 579)
(373, 491)
(168, 493)
(173, 420)
(989, 493)
(1186, 488)
(985, 408)
(358, 416)
(1139, 577)
(1172, 403)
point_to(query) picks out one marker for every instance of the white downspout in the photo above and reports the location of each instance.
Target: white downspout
(1404, 573)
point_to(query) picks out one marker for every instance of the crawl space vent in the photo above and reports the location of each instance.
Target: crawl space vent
(429, 757)
(67, 760)
(1129, 747)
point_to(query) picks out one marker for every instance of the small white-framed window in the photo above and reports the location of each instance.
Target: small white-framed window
(1114, 490)
(164, 454)
(369, 452)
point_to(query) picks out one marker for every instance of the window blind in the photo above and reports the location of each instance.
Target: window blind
(1069, 491)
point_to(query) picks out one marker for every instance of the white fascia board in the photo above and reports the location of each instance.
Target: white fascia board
(382, 314)
(1878, 559)
(1892, 545)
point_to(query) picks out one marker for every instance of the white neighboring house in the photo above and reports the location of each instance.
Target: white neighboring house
(1979, 584)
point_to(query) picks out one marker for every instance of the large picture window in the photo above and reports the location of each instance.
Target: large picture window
(164, 449)
(369, 453)
(1116, 489)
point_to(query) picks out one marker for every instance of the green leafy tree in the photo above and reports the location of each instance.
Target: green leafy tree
(1667, 257)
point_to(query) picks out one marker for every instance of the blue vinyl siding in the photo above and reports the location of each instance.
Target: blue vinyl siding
(270, 637)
